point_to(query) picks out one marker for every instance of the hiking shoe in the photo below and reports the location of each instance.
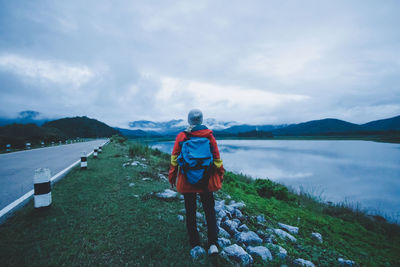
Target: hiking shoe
(212, 250)
(197, 252)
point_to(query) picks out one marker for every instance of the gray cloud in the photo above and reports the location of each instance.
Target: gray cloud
(258, 62)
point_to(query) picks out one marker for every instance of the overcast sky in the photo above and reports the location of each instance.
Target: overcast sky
(246, 61)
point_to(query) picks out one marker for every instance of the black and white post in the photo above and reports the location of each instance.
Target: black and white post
(42, 188)
(83, 161)
(42, 144)
(8, 147)
(100, 149)
(28, 145)
(95, 153)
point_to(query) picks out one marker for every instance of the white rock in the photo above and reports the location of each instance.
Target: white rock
(248, 238)
(223, 233)
(197, 252)
(237, 205)
(221, 214)
(285, 235)
(125, 164)
(230, 226)
(236, 220)
(261, 252)
(237, 254)
(181, 197)
(243, 228)
(163, 177)
(199, 215)
(146, 179)
(302, 262)
(289, 228)
(260, 218)
(278, 251)
(237, 214)
(135, 195)
(135, 163)
(181, 218)
(229, 208)
(223, 242)
(219, 205)
(167, 194)
(131, 184)
(317, 236)
(344, 262)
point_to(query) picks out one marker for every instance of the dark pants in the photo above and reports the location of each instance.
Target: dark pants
(207, 200)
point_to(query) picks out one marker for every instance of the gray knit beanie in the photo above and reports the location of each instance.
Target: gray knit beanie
(195, 117)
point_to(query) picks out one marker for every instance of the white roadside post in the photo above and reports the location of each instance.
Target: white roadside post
(28, 145)
(42, 143)
(52, 143)
(100, 149)
(42, 188)
(8, 147)
(95, 153)
(60, 143)
(83, 161)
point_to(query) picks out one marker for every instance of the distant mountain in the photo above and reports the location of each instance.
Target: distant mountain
(339, 127)
(82, 127)
(136, 133)
(175, 126)
(317, 127)
(391, 124)
(247, 128)
(25, 117)
(328, 126)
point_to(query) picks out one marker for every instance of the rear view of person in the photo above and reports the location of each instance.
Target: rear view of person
(196, 161)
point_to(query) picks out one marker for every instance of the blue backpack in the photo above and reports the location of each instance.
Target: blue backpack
(195, 160)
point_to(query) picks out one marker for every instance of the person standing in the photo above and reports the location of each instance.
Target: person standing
(213, 178)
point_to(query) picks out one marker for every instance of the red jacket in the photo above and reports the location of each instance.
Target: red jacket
(216, 178)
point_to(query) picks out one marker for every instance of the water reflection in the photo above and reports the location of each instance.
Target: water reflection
(354, 171)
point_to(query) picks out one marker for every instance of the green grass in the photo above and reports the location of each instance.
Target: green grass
(346, 233)
(97, 218)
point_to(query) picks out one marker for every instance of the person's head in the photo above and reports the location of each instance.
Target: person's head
(195, 117)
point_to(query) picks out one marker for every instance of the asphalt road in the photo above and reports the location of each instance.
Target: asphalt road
(17, 169)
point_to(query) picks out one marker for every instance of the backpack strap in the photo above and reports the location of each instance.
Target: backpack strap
(188, 135)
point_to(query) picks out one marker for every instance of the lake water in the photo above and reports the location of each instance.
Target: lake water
(357, 172)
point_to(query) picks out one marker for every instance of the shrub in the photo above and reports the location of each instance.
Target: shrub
(118, 139)
(137, 149)
(266, 188)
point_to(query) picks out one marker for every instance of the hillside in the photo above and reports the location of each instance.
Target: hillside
(391, 124)
(19, 134)
(82, 127)
(318, 127)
